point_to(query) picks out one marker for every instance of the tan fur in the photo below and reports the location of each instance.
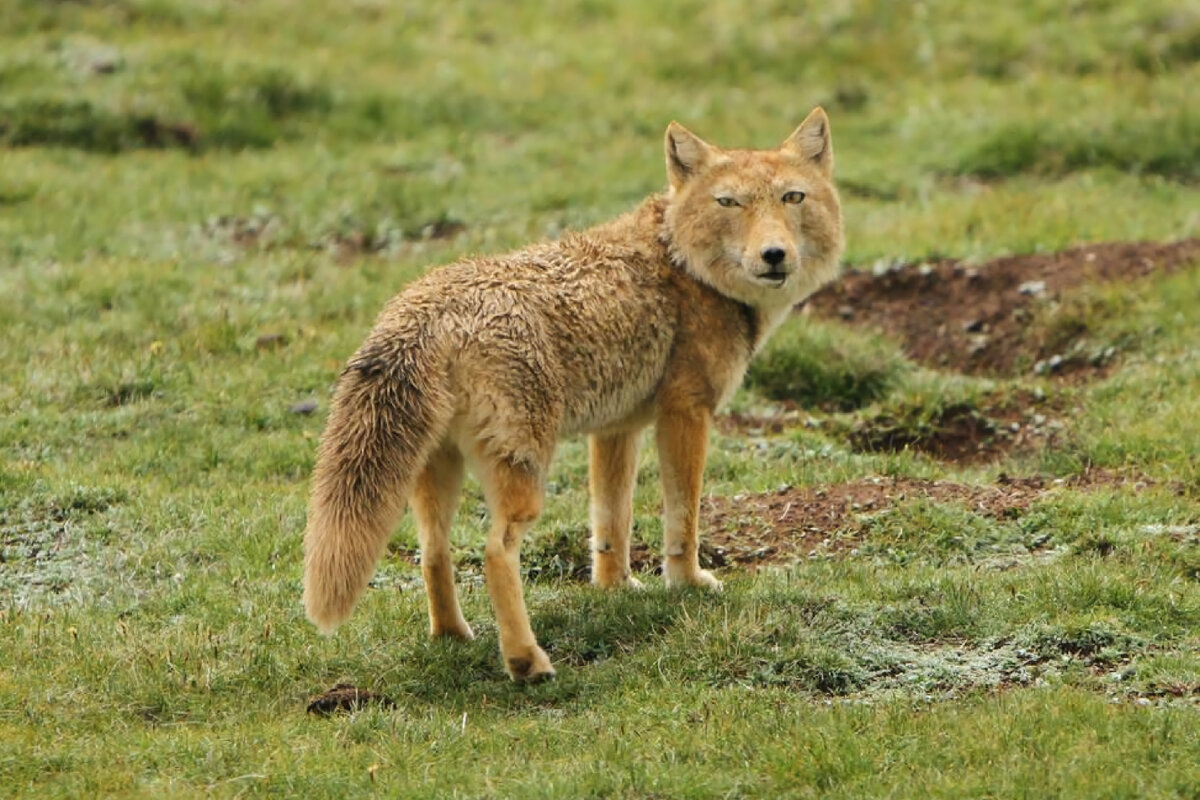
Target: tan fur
(486, 363)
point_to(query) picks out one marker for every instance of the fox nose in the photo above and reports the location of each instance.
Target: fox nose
(773, 255)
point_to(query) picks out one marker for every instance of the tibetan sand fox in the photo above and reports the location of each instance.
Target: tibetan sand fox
(487, 362)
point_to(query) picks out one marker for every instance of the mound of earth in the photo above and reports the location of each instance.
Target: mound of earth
(974, 318)
(983, 430)
(964, 432)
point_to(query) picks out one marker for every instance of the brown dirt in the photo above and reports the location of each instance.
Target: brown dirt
(345, 697)
(974, 318)
(790, 524)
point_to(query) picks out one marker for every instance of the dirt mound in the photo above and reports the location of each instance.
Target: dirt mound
(974, 318)
(979, 431)
(964, 432)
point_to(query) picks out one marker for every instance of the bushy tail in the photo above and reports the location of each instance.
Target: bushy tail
(389, 411)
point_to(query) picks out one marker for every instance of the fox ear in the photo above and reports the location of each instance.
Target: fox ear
(687, 153)
(812, 141)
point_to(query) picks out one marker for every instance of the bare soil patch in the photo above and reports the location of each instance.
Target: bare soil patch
(789, 524)
(345, 697)
(975, 318)
(49, 547)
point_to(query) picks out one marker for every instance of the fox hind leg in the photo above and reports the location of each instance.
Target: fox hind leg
(514, 494)
(612, 473)
(434, 502)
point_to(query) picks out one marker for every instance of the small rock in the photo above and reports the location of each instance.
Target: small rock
(1049, 365)
(846, 312)
(1033, 288)
(1104, 356)
(974, 326)
(304, 407)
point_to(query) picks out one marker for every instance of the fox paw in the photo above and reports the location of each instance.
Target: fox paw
(699, 577)
(533, 667)
(617, 582)
(455, 630)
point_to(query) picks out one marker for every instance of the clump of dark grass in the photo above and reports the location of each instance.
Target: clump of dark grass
(222, 108)
(827, 366)
(1094, 641)
(83, 125)
(248, 107)
(1160, 144)
(563, 552)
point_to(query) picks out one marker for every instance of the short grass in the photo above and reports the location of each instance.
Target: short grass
(204, 205)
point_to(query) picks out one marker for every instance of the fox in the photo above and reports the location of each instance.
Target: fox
(488, 362)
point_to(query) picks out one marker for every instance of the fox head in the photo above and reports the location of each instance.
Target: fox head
(760, 226)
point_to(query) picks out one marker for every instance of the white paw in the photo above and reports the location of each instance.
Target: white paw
(700, 577)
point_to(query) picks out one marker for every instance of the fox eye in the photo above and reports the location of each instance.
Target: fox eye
(793, 197)
(727, 202)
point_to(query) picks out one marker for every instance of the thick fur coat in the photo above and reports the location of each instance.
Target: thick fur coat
(487, 362)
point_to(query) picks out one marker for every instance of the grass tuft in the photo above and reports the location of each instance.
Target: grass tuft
(1147, 144)
(819, 364)
(82, 125)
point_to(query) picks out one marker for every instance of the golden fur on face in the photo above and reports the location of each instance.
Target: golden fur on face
(730, 208)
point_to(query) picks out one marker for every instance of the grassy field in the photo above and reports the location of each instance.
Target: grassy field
(204, 205)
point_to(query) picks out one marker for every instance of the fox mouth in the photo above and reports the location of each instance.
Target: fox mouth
(774, 277)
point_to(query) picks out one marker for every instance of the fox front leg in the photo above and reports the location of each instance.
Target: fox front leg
(682, 445)
(612, 471)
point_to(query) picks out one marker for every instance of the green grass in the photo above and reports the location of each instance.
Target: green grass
(203, 206)
(822, 365)
(1163, 144)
